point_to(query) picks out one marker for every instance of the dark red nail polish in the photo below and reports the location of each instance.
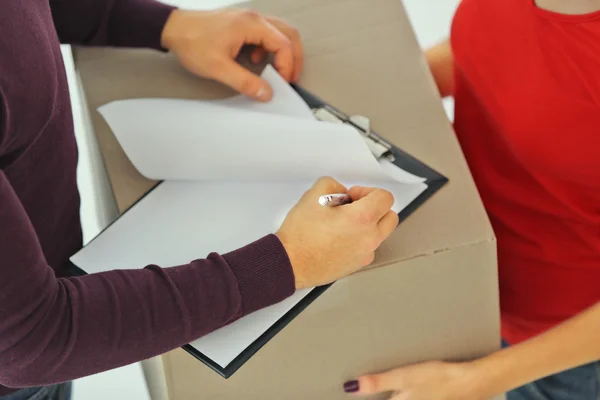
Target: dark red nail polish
(351, 387)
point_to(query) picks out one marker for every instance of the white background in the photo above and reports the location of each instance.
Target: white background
(431, 20)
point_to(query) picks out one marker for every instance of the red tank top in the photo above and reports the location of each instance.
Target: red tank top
(527, 113)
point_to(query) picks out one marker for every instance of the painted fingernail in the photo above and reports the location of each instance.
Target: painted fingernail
(351, 387)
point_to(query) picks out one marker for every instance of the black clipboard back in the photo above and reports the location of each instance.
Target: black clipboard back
(434, 180)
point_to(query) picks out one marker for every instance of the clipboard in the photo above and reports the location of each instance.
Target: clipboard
(434, 180)
(381, 149)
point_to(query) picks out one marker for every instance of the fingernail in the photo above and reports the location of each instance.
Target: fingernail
(351, 387)
(262, 94)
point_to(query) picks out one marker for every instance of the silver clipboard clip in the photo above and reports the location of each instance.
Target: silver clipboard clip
(379, 147)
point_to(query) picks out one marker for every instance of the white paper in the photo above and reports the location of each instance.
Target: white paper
(180, 222)
(193, 140)
(398, 174)
(237, 140)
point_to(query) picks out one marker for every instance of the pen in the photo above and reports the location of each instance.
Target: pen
(335, 199)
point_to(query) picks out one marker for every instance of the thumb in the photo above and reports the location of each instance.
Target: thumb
(377, 383)
(240, 79)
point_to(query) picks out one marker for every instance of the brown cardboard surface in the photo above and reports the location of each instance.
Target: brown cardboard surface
(437, 297)
(436, 307)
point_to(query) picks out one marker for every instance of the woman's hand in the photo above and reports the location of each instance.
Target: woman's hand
(427, 381)
(208, 42)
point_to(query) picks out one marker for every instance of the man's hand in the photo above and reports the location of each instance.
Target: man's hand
(207, 43)
(328, 243)
(427, 381)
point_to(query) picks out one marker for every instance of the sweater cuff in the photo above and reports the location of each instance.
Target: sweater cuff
(264, 273)
(138, 23)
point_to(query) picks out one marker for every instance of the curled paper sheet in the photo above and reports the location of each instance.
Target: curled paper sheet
(239, 139)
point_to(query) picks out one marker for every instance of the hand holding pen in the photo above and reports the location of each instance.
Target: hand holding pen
(333, 232)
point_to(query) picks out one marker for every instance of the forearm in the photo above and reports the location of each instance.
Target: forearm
(440, 62)
(57, 330)
(53, 330)
(571, 344)
(121, 23)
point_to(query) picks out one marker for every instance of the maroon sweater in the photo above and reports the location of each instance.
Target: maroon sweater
(54, 328)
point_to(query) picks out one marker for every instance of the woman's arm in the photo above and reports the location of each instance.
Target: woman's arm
(440, 62)
(574, 343)
(571, 344)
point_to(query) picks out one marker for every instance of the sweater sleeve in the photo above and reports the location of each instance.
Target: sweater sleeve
(119, 23)
(54, 330)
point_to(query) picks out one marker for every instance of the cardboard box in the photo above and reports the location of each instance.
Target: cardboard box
(432, 292)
